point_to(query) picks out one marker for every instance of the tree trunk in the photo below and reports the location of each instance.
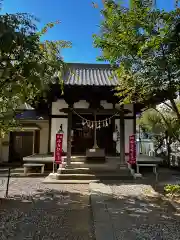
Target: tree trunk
(169, 150)
(159, 145)
(175, 109)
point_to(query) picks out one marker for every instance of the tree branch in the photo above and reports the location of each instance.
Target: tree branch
(167, 124)
(175, 108)
(169, 106)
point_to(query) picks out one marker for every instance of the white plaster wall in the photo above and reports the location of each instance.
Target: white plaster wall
(59, 104)
(4, 150)
(106, 105)
(81, 104)
(55, 124)
(44, 132)
(56, 106)
(128, 131)
(127, 106)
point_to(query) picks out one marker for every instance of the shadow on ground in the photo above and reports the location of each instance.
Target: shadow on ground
(46, 214)
(165, 176)
(134, 216)
(129, 212)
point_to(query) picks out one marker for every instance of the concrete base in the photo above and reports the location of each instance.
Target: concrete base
(70, 166)
(95, 155)
(52, 175)
(137, 175)
(49, 180)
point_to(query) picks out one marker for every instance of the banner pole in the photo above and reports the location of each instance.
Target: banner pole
(53, 167)
(7, 186)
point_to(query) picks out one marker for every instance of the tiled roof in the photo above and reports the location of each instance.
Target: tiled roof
(31, 115)
(90, 75)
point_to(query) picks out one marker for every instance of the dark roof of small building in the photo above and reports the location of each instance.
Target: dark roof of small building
(30, 115)
(84, 74)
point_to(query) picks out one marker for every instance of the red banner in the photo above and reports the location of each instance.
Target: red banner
(58, 148)
(132, 149)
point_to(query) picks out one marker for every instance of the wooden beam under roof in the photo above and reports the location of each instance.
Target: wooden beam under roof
(98, 111)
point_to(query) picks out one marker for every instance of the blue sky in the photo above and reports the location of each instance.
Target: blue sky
(79, 20)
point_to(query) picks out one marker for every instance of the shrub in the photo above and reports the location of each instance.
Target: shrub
(172, 189)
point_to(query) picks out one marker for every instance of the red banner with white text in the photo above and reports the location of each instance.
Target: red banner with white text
(132, 149)
(58, 148)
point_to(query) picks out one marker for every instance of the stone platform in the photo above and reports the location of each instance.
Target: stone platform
(88, 174)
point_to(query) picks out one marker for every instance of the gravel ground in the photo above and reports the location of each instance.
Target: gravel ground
(135, 212)
(37, 211)
(142, 217)
(52, 211)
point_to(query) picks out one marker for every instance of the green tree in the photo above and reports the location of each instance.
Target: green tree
(27, 65)
(176, 3)
(147, 3)
(162, 123)
(142, 45)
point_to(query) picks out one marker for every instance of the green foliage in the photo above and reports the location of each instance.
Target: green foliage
(140, 3)
(162, 124)
(172, 189)
(176, 3)
(152, 122)
(142, 45)
(161, 121)
(27, 65)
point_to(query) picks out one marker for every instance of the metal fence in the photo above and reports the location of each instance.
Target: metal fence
(145, 147)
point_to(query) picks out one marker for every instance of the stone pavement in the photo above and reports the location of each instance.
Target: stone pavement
(43, 212)
(132, 211)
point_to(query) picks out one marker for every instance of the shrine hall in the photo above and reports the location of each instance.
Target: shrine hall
(94, 123)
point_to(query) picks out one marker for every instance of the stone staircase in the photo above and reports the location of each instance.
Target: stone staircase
(81, 171)
(88, 174)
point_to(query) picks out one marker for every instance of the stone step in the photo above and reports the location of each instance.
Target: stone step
(97, 176)
(97, 165)
(83, 159)
(17, 170)
(49, 180)
(93, 170)
(76, 159)
(74, 170)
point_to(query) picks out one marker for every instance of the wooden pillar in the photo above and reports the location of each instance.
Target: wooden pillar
(134, 119)
(95, 132)
(69, 136)
(122, 136)
(49, 131)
